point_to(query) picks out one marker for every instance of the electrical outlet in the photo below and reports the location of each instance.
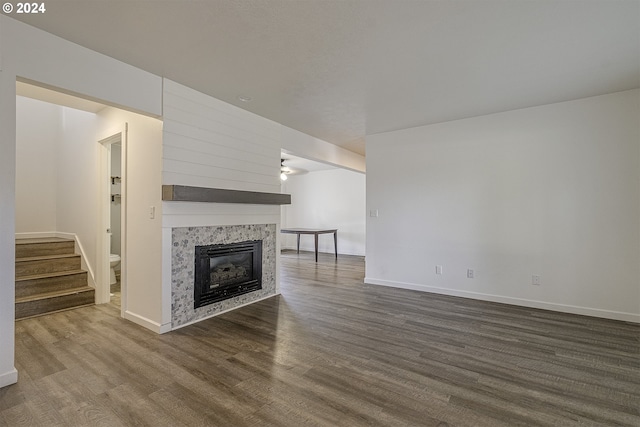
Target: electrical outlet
(438, 269)
(373, 213)
(535, 280)
(470, 273)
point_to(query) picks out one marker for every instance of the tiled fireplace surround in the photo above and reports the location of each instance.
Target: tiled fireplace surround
(185, 239)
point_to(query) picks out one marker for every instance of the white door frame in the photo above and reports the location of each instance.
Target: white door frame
(103, 287)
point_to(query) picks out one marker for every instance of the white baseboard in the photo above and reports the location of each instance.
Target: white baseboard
(147, 323)
(9, 378)
(36, 235)
(224, 311)
(563, 308)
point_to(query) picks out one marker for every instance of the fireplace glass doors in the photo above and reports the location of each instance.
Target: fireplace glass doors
(227, 270)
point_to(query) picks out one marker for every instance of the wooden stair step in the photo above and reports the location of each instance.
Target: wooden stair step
(43, 246)
(47, 295)
(49, 277)
(45, 257)
(50, 282)
(30, 266)
(50, 302)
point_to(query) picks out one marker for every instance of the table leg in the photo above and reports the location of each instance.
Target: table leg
(335, 242)
(298, 244)
(316, 236)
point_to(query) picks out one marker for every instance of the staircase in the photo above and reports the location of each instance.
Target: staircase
(49, 277)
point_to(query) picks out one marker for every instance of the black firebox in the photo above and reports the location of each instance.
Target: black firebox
(227, 270)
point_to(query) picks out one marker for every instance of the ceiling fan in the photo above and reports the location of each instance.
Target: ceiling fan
(285, 171)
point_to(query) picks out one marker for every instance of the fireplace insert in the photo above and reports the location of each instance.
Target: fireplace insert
(227, 270)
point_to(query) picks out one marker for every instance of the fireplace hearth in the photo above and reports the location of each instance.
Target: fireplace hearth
(223, 271)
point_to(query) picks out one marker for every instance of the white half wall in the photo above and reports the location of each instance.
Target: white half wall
(326, 199)
(551, 191)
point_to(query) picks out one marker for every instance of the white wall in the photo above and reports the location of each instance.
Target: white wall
(38, 134)
(34, 55)
(77, 181)
(142, 250)
(552, 191)
(8, 372)
(326, 199)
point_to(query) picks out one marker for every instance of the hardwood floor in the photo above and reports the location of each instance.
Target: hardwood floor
(330, 351)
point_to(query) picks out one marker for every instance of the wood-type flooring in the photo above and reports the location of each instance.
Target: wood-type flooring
(329, 351)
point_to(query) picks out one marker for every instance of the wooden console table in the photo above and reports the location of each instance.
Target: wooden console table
(315, 232)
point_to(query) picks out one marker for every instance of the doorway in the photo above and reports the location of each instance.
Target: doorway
(60, 174)
(77, 195)
(111, 232)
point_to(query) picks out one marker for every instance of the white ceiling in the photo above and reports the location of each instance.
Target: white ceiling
(342, 69)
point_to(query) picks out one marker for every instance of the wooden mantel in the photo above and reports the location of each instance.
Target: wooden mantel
(185, 193)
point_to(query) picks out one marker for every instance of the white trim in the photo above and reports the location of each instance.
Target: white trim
(193, 322)
(103, 287)
(572, 309)
(36, 235)
(124, 192)
(278, 255)
(9, 378)
(83, 257)
(166, 275)
(79, 249)
(147, 323)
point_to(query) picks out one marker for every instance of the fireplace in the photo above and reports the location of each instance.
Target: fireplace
(185, 240)
(224, 271)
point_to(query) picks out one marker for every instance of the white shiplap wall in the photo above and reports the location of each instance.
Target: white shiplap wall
(209, 143)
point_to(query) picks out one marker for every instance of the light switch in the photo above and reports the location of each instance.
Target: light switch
(152, 212)
(373, 213)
